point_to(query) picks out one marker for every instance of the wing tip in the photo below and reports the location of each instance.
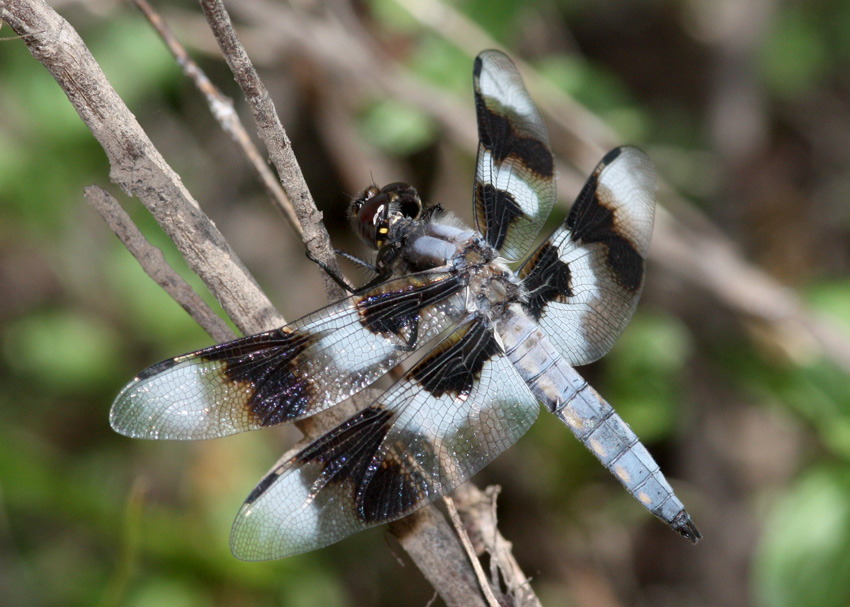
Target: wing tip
(489, 53)
(611, 155)
(244, 545)
(118, 413)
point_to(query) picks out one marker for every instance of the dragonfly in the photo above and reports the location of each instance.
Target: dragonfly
(481, 328)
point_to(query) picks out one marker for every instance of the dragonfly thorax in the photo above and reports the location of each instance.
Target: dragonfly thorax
(492, 284)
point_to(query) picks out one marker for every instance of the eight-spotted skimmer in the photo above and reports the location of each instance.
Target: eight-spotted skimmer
(484, 345)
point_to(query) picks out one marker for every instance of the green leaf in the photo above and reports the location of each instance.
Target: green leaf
(794, 56)
(831, 297)
(62, 350)
(397, 128)
(803, 559)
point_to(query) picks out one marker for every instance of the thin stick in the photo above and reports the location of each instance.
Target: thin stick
(137, 166)
(479, 508)
(470, 552)
(221, 108)
(274, 136)
(154, 264)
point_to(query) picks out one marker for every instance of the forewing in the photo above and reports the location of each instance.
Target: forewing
(451, 414)
(585, 281)
(292, 372)
(515, 176)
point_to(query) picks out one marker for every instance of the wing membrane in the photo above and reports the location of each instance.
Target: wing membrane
(292, 372)
(515, 176)
(450, 415)
(585, 280)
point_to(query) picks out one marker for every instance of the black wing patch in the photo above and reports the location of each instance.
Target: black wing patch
(595, 218)
(453, 366)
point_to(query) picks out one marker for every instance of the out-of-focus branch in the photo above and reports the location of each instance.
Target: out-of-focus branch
(274, 136)
(704, 257)
(136, 166)
(221, 108)
(154, 264)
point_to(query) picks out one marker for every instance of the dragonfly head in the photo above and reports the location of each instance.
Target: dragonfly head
(374, 209)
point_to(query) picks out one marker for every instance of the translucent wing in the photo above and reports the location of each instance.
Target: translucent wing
(585, 281)
(292, 372)
(450, 415)
(515, 175)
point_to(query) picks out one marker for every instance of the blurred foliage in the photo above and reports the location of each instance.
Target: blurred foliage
(395, 128)
(756, 438)
(804, 557)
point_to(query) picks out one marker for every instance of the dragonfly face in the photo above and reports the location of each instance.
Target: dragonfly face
(371, 211)
(480, 346)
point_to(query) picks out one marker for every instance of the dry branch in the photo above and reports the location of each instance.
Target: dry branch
(136, 165)
(222, 109)
(478, 513)
(153, 262)
(483, 582)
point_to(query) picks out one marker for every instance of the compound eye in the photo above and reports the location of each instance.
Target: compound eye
(359, 200)
(371, 218)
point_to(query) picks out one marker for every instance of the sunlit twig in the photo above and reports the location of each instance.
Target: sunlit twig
(221, 108)
(274, 136)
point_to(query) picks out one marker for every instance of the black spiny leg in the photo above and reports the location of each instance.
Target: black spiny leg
(357, 261)
(380, 275)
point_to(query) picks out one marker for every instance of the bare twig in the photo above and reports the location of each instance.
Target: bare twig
(277, 143)
(478, 512)
(136, 166)
(221, 107)
(483, 582)
(428, 538)
(154, 264)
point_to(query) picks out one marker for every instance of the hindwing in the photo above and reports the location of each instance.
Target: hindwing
(451, 414)
(584, 282)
